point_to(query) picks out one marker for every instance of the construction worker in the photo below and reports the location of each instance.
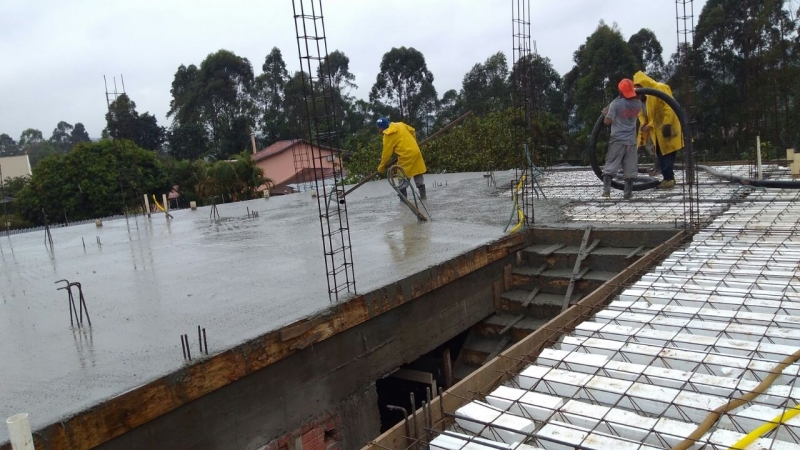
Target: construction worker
(621, 114)
(661, 125)
(399, 138)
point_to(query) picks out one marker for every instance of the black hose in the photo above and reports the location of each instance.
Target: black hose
(779, 184)
(644, 183)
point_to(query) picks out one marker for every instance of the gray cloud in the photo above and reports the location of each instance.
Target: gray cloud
(56, 53)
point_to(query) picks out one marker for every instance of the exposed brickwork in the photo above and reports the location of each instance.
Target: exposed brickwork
(323, 433)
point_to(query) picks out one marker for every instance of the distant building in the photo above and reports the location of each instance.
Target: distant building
(15, 166)
(278, 163)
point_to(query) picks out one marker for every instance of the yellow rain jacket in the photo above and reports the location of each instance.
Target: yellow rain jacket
(658, 115)
(400, 138)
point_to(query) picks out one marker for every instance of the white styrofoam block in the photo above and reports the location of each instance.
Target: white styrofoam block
(559, 436)
(484, 413)
(607, 420)
(457, 441)
(525, 403)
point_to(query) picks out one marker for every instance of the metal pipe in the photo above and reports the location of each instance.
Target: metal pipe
(205, 341)
(19, 432)
(779, 184)
(758, 157)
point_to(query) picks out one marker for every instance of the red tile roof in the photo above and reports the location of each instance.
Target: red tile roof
(282, 146)
(274, 149)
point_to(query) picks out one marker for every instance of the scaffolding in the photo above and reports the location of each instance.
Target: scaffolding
(322, 130)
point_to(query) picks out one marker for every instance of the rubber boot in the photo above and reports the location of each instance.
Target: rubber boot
(606, 185)
(422, 195)
(628, 190)
(404, 193)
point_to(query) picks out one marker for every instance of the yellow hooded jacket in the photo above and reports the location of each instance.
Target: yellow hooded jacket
(400, 138)
(658, 115)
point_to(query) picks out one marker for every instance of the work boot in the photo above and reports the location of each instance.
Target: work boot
(403, 192)
(422, 195)
(606, 185)
(666, 184)
(628, 190)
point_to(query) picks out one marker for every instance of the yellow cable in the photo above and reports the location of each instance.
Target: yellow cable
(742, 443)
(157, 204)
(520, 213)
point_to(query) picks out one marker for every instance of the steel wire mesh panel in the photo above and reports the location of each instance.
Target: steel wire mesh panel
(320, 166)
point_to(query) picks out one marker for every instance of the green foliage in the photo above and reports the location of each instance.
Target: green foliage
(125, 123)
(648, 52)
(486, 86)
(8, 146)
(218, 96)
(404, 86)
(84, 183)
(477, 144)
(745, 67)
(201, 181)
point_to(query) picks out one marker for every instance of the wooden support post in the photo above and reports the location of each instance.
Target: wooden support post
(497, 291)
(508, 280)
(577, 268)
(447, 368)
(147, 205)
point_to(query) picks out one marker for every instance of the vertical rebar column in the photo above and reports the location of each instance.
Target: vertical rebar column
(522, 98)
(111, 97)
(325, 159)
(684, 19)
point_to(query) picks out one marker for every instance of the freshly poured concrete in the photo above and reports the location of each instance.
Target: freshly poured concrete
(152, 280)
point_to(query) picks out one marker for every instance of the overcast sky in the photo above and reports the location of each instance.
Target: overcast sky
(55, 53)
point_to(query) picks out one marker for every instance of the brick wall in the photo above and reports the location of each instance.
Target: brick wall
(321, 434)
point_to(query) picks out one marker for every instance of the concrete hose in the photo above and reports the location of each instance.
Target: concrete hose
(779, 184)
(641, 183)
(714, 415)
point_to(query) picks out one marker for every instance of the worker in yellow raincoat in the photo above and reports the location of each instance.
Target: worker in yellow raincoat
(399, 138)
(661, 126)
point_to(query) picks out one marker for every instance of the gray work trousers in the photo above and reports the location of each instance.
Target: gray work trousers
(622, 155)
(419, 180)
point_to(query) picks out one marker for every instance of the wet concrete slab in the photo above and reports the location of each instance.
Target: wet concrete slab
(152, 280)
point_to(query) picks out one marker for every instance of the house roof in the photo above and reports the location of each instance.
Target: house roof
(282, 146)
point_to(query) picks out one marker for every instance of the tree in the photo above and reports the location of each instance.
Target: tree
(83, 183)
(218, 95)
(124, 122)
(648, 52)
(61, 137)
(600, 63)
(545, 84)
(270, 89)
(404, 84)
(187, 142)
(79, 134)
(30, 136)
(32, 143)
(149, 135)
(745, 62)
(121, 118)
(8, 146)
(485, 87)
(338, 67)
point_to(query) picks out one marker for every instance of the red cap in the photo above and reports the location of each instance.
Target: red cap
(626, 88)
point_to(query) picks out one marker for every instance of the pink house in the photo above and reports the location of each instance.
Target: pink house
(278, 163)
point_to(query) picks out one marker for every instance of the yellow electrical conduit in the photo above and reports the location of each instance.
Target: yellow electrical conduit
(742, 443)
(158, 205)
(714, 415)
(520, 213)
